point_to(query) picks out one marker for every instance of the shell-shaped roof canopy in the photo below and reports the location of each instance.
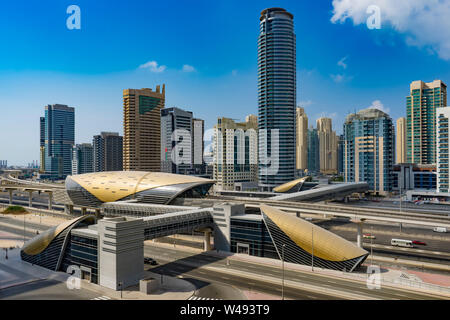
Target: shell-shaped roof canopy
(39, 243)
(114, 185)
(327, 245)
(289, 185)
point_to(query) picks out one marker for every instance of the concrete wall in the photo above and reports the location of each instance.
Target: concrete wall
(221, 216)
(121, 252)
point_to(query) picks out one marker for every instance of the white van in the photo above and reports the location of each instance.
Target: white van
(440, 229)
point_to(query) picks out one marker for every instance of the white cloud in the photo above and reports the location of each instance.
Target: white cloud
(378, 105)
(188, 68)
(425, 23)
(152, 66)
(340, 78)
(306, 103)
(342, 63)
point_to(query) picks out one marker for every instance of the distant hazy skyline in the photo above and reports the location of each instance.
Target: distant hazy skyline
(206, 53)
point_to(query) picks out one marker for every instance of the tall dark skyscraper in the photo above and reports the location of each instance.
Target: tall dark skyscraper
(276, 97)
(42, 144)
(108, 152)
(59, 140)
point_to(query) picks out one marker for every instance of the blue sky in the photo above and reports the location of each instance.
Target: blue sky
(42, 62)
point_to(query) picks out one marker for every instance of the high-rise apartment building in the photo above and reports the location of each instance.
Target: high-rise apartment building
(42, 144)
(421, 105)
(369, 149)
(302, 139)
(313, 151)
(400, 145)
(341, 147)
(198, 132)
(108, 152)
(82, 158)
(235, 152)
(142, 128)
(276, 98)
(442, 152)
(59, 140)
(327, 146)
(176, 140)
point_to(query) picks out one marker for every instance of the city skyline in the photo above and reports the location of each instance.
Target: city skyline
(201, 80)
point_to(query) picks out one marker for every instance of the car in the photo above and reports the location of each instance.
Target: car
(368, 236)
(419, 242)
(150, 261)
(440, 229)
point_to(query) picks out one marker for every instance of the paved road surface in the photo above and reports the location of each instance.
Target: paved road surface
(172, 261)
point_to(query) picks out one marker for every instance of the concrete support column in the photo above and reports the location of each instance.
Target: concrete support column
(359, 235)
(30, 198)
(50, 200)
(207, 241)
(68, 209)
(359, 230)
(97, 214)
(10, 196)
(83, 210)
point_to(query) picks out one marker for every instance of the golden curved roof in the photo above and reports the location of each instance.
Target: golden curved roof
(115, 185)
(327, 245)
(39, 243)
(289, 185)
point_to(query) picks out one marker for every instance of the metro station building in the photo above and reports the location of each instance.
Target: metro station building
(138, 206)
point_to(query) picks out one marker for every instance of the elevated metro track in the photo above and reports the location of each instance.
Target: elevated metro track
(346, 211)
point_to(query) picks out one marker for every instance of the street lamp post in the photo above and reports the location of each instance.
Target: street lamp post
(371, 244)
(400, 206)
(24, 228)
(312, 249)
(282, 264)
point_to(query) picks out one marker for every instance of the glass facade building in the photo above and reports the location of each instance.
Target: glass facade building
(421, 107)
(313, 151)
(443, 162)
(276, 97)
(369, 149)
(248, 234)
(59, 140)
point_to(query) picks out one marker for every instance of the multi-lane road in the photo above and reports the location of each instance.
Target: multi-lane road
(252, 277)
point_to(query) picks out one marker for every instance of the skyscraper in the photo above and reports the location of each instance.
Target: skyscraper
(42, 144)
(276, 98)
(108, 152)
(369, 149)
(176, 132)
(341, 145)
(142, 128)
(235, 152)
(198, 131)
(82, 159)
(302, 139)
(400, 145)
(327, 146)
(313, 151)
(59, 140)
(443, 159)
(421, 107)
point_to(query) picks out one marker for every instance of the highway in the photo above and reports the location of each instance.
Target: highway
(178, 262)
(169, 266)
